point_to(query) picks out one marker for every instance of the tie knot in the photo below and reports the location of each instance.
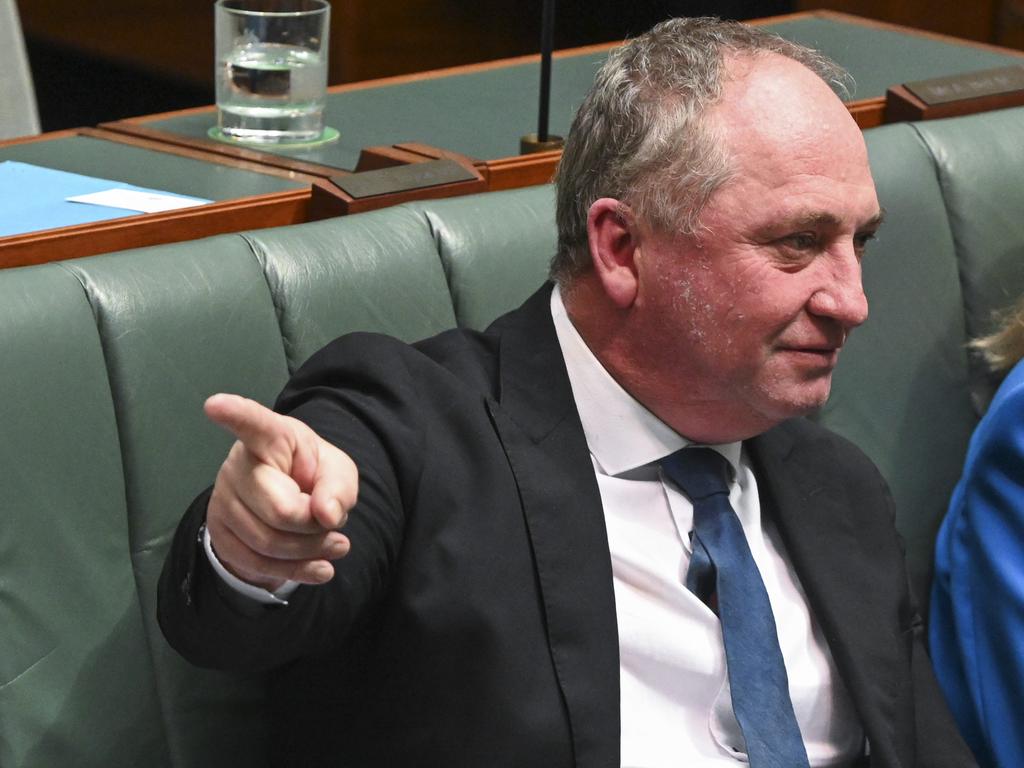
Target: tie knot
(699, 472)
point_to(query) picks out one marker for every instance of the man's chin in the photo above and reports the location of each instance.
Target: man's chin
(802, 400)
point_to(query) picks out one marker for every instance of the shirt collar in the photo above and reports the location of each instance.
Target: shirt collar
(621, 433)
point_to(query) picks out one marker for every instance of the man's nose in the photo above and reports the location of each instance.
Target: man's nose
(842, 296)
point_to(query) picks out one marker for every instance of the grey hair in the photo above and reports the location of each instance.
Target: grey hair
(638, 137)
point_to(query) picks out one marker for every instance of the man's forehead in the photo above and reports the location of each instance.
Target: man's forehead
(779, 121)
(768, 75)
(769, 97)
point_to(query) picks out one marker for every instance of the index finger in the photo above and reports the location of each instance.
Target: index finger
(272, 438)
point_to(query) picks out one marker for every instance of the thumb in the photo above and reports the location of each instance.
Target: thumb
(335, 486)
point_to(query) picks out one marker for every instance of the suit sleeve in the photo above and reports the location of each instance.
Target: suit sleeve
(358, 394)
(939, 744)
(977, 628)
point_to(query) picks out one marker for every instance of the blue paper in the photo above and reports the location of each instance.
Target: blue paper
(33, 198)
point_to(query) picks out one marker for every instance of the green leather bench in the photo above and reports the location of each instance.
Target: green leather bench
(106, 362)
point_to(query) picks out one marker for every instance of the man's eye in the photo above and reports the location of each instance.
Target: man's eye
(801, 241)
(861, 240)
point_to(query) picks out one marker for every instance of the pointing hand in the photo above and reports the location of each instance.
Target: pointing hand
(279, 498)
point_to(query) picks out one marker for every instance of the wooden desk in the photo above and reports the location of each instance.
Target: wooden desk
(245, 195)
(479, 112)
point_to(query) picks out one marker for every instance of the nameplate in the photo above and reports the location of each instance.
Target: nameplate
(971, 85)
(402, 178)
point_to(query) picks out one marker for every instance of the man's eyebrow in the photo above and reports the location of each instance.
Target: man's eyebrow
(824, 219)
(817, 219)
(875, 221)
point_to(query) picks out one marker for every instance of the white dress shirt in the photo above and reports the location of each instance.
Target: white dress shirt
(676, 709)
(675, 702)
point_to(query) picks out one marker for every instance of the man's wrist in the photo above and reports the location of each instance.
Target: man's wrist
(278, 596)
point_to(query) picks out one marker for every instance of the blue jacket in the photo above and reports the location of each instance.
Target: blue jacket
(977, 613)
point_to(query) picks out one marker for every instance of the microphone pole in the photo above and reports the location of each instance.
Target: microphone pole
(542, 141)
(547, 42)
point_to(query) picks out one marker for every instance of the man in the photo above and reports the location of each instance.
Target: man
(533, 570)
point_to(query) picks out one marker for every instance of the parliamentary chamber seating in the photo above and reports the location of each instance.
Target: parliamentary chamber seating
(107, 361)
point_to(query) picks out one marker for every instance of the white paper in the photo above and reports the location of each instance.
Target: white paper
(133, 200)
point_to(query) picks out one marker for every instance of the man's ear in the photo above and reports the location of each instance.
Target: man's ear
(612, 235)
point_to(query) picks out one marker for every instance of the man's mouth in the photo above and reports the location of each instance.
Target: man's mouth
(824, 355)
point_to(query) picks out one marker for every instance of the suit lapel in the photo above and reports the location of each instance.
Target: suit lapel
(812, 513)
(537, 422)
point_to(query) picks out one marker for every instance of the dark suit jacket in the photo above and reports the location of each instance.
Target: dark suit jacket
(473, 622)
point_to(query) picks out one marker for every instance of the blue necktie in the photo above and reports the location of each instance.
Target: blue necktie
(722, 563)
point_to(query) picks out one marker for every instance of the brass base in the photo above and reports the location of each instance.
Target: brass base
(529, 144)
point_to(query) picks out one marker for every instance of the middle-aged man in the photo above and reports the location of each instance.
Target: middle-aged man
(544, 567)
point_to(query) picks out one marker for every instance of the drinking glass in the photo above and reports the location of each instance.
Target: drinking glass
(271, 69)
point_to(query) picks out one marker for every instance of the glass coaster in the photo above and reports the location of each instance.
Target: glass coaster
(329, 135)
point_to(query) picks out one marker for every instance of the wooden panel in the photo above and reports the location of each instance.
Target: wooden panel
(1010, 24)
(376, 39)
(369, 39)
(174, 38)
(974, 20)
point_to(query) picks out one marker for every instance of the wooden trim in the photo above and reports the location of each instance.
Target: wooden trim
(504, 173)
(375, 158)
(868, 113)
(783, 18)
(65, 134)
(521, 170)
(209, 149)
(901, 104)
(433, 153)
(257, 212)
(196, 153)
(330, 200)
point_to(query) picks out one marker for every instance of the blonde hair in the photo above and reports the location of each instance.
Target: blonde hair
(1004, 348)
